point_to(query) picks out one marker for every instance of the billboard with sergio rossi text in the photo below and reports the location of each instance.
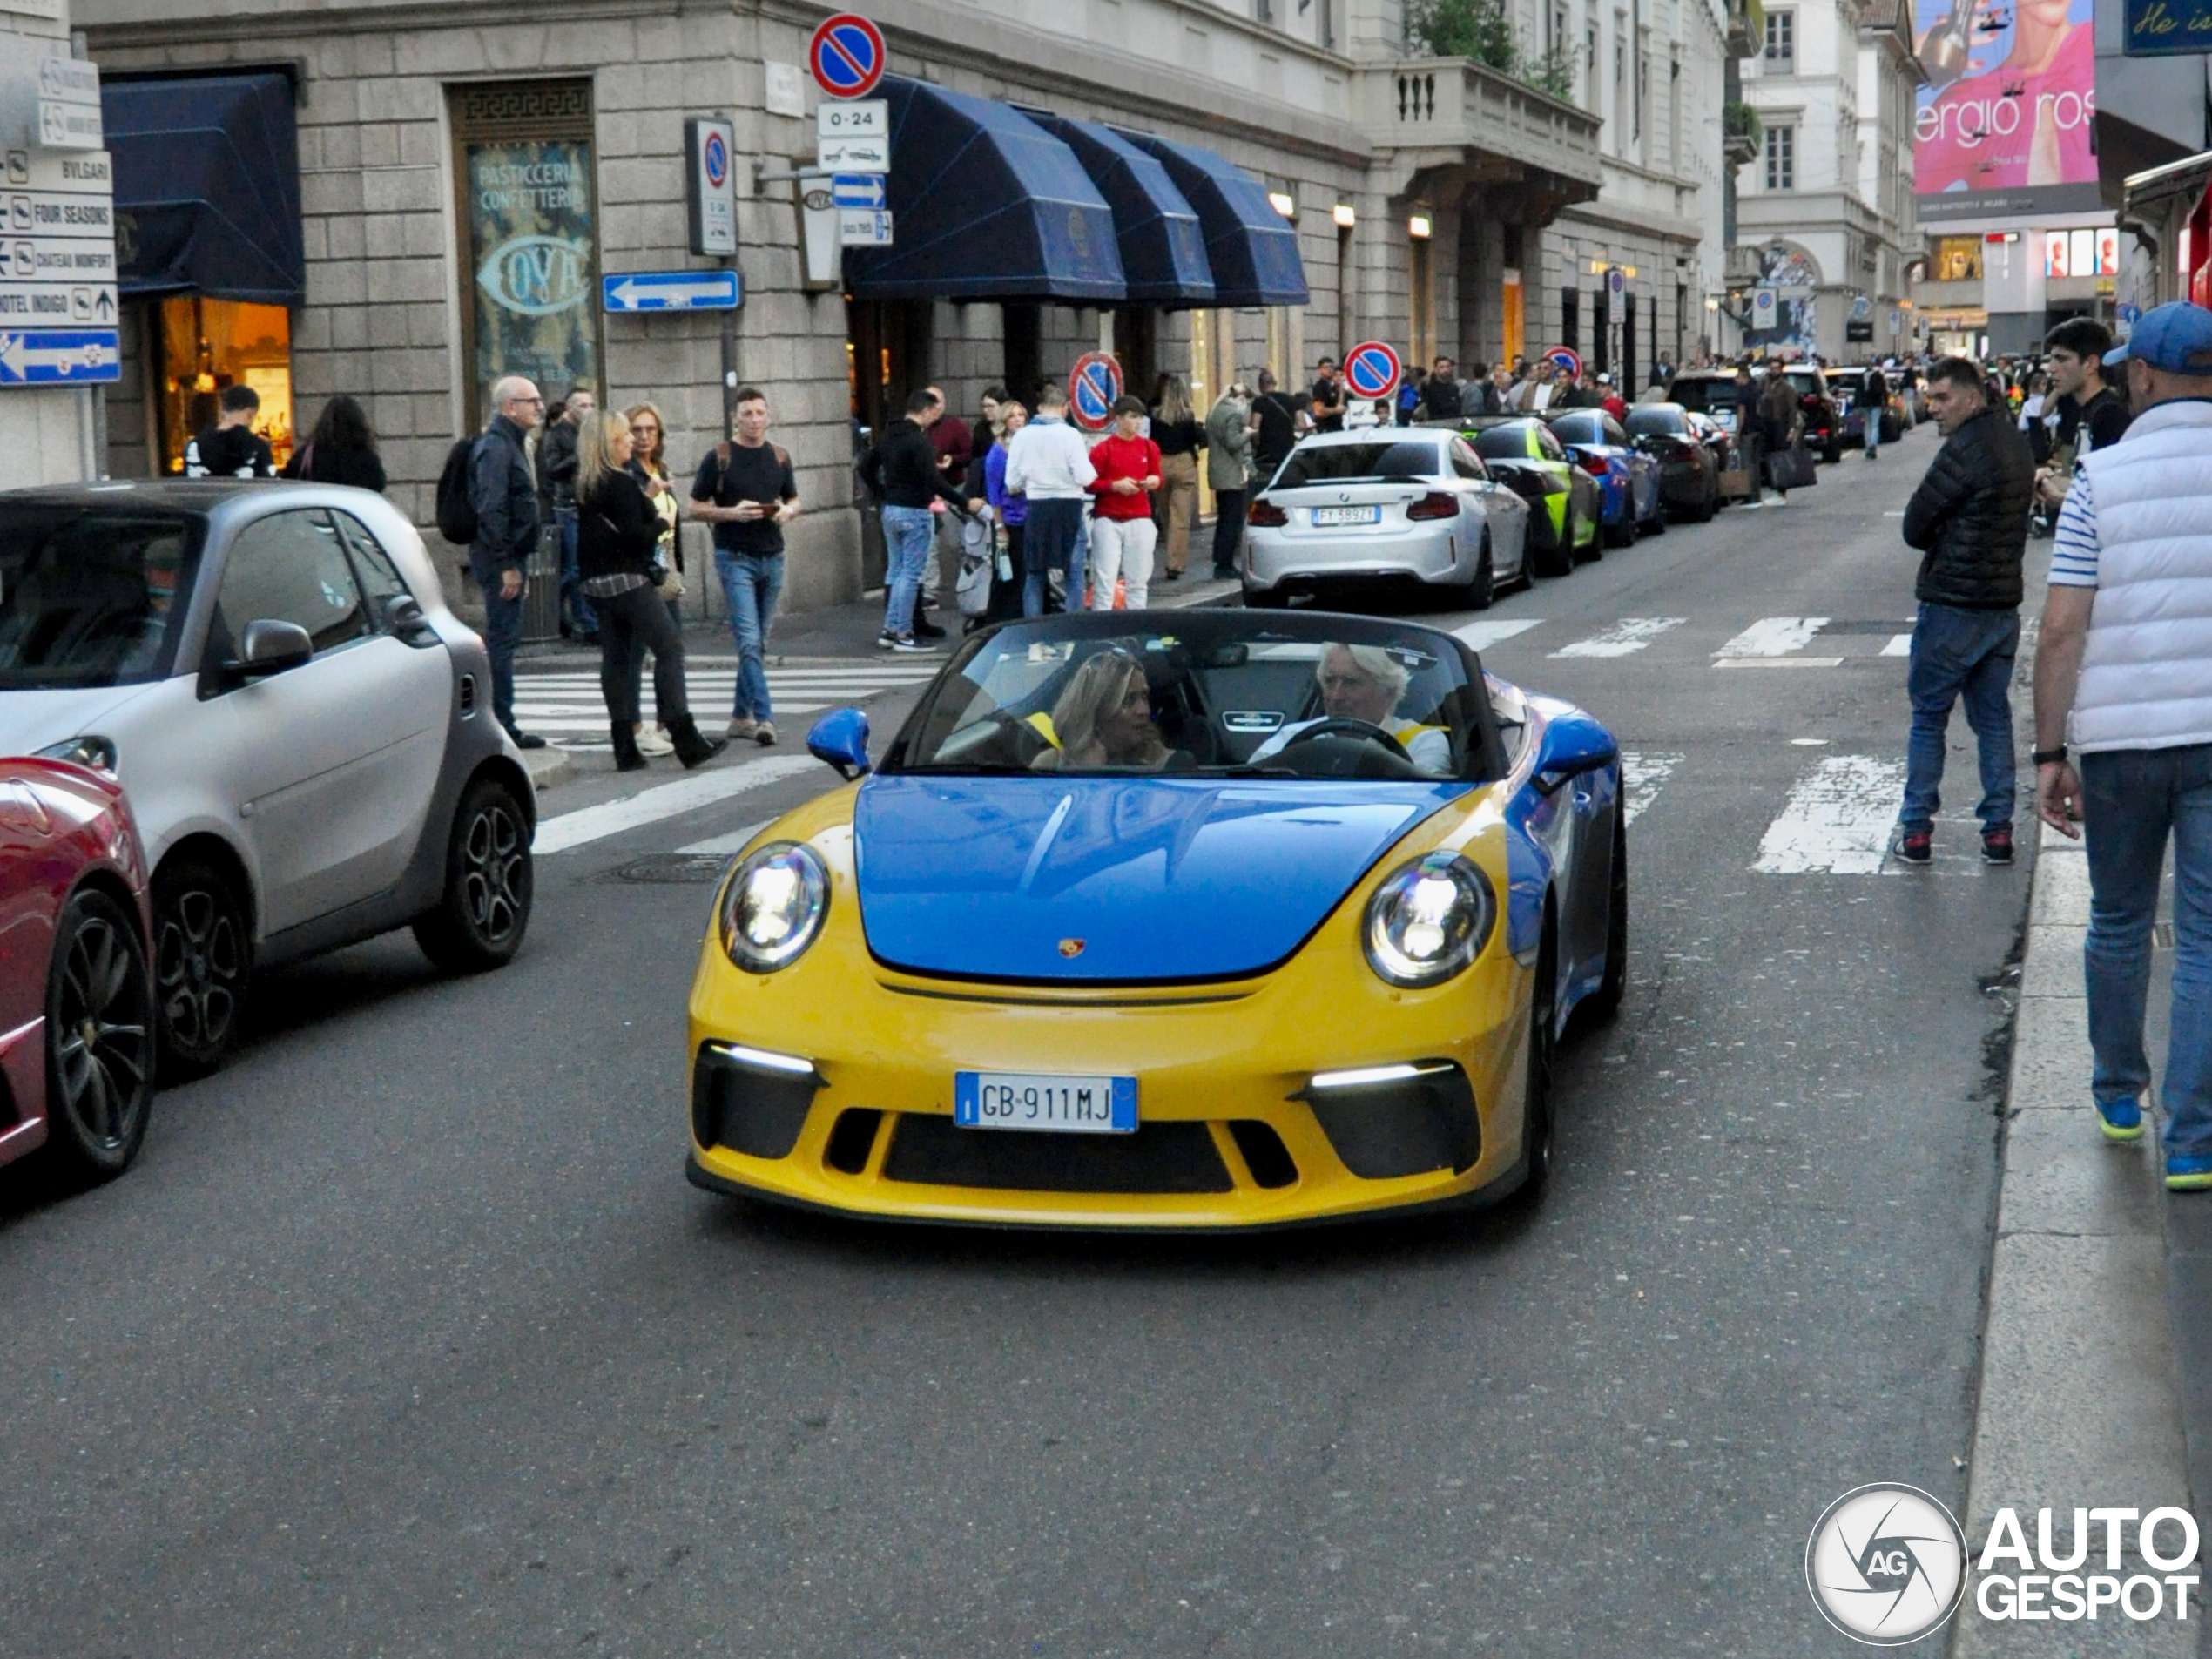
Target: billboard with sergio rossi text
(2004, 119)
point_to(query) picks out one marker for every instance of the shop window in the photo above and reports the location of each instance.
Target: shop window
(523, 166)
(1958, 259)
(202, 345)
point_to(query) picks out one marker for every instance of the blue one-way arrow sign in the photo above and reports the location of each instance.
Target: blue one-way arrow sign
(60, 357)
(860, 190)
(671, 291)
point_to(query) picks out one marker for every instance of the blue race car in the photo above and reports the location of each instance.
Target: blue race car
(1627, 477)
(1165, 920)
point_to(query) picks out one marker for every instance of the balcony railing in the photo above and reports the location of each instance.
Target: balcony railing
(1449, 104)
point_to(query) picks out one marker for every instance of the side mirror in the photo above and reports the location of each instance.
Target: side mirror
(403, 618)
(270, 647)
(1572, 744)
(840, 740)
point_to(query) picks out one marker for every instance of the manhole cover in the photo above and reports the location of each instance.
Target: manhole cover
(700, 869)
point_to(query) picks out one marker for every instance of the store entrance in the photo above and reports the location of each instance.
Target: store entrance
(200, 345)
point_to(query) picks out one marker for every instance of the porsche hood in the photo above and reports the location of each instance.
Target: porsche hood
(1108, 879)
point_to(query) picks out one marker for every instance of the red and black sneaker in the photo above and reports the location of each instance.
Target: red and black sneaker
(1996, 846)
(1916, 846)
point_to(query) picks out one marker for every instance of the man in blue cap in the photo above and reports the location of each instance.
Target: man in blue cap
(2124, 670)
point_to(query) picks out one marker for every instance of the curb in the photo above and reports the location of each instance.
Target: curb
(2078, 1404)
(548, 766)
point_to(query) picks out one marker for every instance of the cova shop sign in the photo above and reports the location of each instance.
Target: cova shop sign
(537, 275)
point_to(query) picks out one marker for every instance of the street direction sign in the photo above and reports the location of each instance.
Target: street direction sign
(43, 260)
(57, 213)
(855, 153)
(1569, 359)
(1372, 369)
(858, 190)
(60, 357)
(1093, 384)
(862, 228)
(846, 56)
(671, 291)
(869, 118)
(56, 304)
(41, 170)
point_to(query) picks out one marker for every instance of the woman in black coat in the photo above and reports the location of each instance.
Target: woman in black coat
(340, 450)
(617, 538)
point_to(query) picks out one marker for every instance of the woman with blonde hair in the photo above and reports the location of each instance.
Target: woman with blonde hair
(1103, 717)
(648, 465)
(617, 537)
(1180, 434)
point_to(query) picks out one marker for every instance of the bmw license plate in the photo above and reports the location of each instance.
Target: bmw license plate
(1347, 515)
(1026, 1100)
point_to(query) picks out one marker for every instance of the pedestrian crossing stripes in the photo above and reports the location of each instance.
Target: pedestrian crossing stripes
(567, 705)
(1642, 775)
(1838, 820)
(1773, 636)
(1624, 638)
(1480, 635)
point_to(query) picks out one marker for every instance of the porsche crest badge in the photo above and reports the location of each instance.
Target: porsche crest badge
(1071, 948)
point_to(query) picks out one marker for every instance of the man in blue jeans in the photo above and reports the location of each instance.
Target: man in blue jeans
(2124, 668)
(1049, 465)
(746, 490)
(504, 495)
(1969, 518)
(901, 473)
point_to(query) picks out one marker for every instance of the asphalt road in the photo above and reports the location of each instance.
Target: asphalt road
(407, 1336)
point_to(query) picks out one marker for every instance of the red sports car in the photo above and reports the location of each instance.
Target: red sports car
(76, 990)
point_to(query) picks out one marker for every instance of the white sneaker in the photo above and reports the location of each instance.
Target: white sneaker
(654, 740)
(742, 727)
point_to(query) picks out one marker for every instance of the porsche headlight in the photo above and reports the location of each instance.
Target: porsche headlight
(774, 907)
(1429, 920)
(93, 753)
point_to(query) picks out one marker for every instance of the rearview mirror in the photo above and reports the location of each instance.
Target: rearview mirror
(269, 646)
(840, 740)
(1572, 744)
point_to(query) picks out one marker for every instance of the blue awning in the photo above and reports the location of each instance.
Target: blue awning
(206, 187)
(1252, 249)
(1164, 247)
(985, 205)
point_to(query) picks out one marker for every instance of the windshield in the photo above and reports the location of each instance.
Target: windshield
(92, 597)
(1503, 442)
(1217, 692)
(1584, 426)
(1335, 464)
(1808, 382)
(1703, 393)
(1642, 423)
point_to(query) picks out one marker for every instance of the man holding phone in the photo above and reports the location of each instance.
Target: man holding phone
(746, 490)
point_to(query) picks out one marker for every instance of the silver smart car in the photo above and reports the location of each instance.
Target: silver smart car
(304, 728)
(1386, 502)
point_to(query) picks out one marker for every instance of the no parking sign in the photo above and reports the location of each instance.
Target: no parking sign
(1567, 359)
(1372, 370)
(846, 56)
(1093, 384)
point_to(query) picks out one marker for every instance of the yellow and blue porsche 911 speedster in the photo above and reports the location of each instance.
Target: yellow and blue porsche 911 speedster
(1193, 919)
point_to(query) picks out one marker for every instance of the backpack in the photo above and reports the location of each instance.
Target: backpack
(456, 507)
(722, 462)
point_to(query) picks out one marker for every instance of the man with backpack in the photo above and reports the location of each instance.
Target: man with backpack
(231, 448)
(487, 501)
(746, 490)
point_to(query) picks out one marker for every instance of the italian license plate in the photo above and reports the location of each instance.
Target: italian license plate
(1026, 1100)
(1347, 515)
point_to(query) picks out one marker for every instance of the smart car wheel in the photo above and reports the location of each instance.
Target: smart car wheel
(99, 1038)
(202, 958)
(485, 909)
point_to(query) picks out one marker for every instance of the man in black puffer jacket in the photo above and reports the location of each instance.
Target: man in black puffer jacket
(1969, 517)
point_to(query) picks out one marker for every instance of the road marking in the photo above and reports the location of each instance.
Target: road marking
(1778, 662)
(589, 824)
(1624, 638)
(726, 845)
(1900, 645)
(1480, 635)
(1642, 775)
(1774, 637)
(1837, 820)
(567, 704)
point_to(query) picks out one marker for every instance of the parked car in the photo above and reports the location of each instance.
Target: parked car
(1628, 479)
(1411, 505)
(1824, 427)
(1564, 508)
(75, 989)
(304, 728)
(1689, 466)
(1707, 392)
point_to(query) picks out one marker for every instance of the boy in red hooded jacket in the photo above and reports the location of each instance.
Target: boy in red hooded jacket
(1122, 534)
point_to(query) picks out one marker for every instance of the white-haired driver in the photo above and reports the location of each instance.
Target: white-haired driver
(1364, 683)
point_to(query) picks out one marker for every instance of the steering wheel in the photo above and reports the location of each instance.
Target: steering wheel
(1337, 726)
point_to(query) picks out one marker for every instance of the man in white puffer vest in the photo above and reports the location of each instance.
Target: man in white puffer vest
(2124, 669)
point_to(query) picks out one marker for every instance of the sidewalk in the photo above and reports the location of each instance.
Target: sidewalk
(2096, 1371)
